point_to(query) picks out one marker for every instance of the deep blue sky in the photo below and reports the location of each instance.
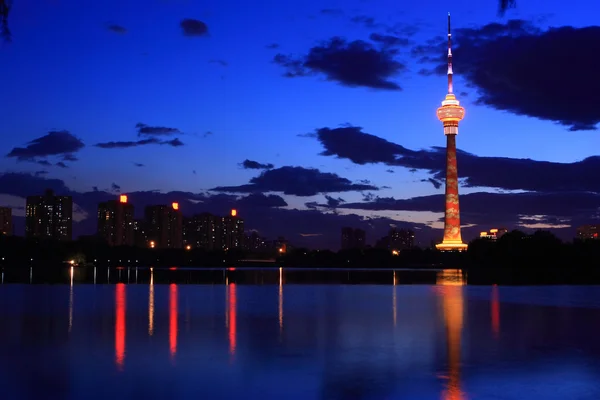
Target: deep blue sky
(96, 69)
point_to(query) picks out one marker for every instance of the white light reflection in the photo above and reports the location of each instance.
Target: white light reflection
(30, 275)
(280, 300)
(71, 301)
(94, 275)
(394, 301)
(151, 304)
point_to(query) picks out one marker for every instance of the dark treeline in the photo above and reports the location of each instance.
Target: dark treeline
(514, 256)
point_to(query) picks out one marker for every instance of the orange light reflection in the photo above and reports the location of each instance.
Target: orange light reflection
(280, 300)
(151, 305)
(231, 317)
(495, 311)
(452, 300)
(120, 325)
(173, 310)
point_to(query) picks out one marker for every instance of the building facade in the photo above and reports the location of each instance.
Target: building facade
(164, 226)
(5, 221)
(49, 217)
(353, 238)
(116, 223)
(401, 239)
(211, 232)
(588, 232)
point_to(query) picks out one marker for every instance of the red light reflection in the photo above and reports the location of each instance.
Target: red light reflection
(173, 310)
(120, 325)
(495, 311)
(231, 320)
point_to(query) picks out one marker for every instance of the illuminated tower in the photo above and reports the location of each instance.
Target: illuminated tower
(451, 113)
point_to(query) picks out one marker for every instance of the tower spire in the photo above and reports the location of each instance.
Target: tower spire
(450, 87)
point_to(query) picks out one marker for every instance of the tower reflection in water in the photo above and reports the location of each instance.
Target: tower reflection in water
(451, 293)
(120, 305)
(173, 319)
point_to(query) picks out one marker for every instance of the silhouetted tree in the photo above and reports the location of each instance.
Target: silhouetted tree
(5, 6)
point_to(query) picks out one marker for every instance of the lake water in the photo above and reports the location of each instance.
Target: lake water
(161, 338)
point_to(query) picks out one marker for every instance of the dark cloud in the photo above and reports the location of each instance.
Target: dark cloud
(193, 27)
(52, 144)
(222, 63)
(365, 21)
(352, 64)
(207, 134)
(116, 29)
(510, 210)
(498, 172)
(143, 142)
(436, 184)
(332, 11)
(249, 164)
(272, 46)
(45, 163)
(517, 67)
(115, 188)
(40, 173)
(145, 130)
(139, 164)
(390, 171)
(333, 202)
(297, 181)
(389, 40)
(61, 164)
(69, 157)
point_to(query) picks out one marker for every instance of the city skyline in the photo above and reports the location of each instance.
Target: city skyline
(138, 101)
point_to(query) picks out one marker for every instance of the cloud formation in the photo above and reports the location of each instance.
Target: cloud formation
(146, 130)
(351, 143)
(53, 144)
(514, 69)
(250, 164)
(143, 142)
(297, 181)
(352, 64)
(116, 29)
(193, 27)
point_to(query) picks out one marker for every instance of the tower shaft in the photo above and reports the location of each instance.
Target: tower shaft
(452, 213)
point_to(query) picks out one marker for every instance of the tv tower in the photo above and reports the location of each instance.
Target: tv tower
(451, 113)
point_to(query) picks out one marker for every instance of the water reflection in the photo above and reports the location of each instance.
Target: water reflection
(452, 302)
(495, 305)
(280, 302)
(450, 277)
(71, 301)
(173, 311)
(231, 317)
(120, 305)
(151, 304)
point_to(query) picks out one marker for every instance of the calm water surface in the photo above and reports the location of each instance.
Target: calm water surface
(282, 340)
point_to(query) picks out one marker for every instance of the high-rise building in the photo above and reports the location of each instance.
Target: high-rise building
(5, 221)
(115, 222)
(164, 226)
(353, 238)
(49, 216)
(140, 233)
(254, 242)
(401, 239)
(451, 113)
(232, 231)
(201, 231)
(588, 232)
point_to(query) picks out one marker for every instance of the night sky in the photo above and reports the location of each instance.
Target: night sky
(305, 116)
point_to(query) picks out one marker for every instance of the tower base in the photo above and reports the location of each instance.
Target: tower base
(452, 246)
